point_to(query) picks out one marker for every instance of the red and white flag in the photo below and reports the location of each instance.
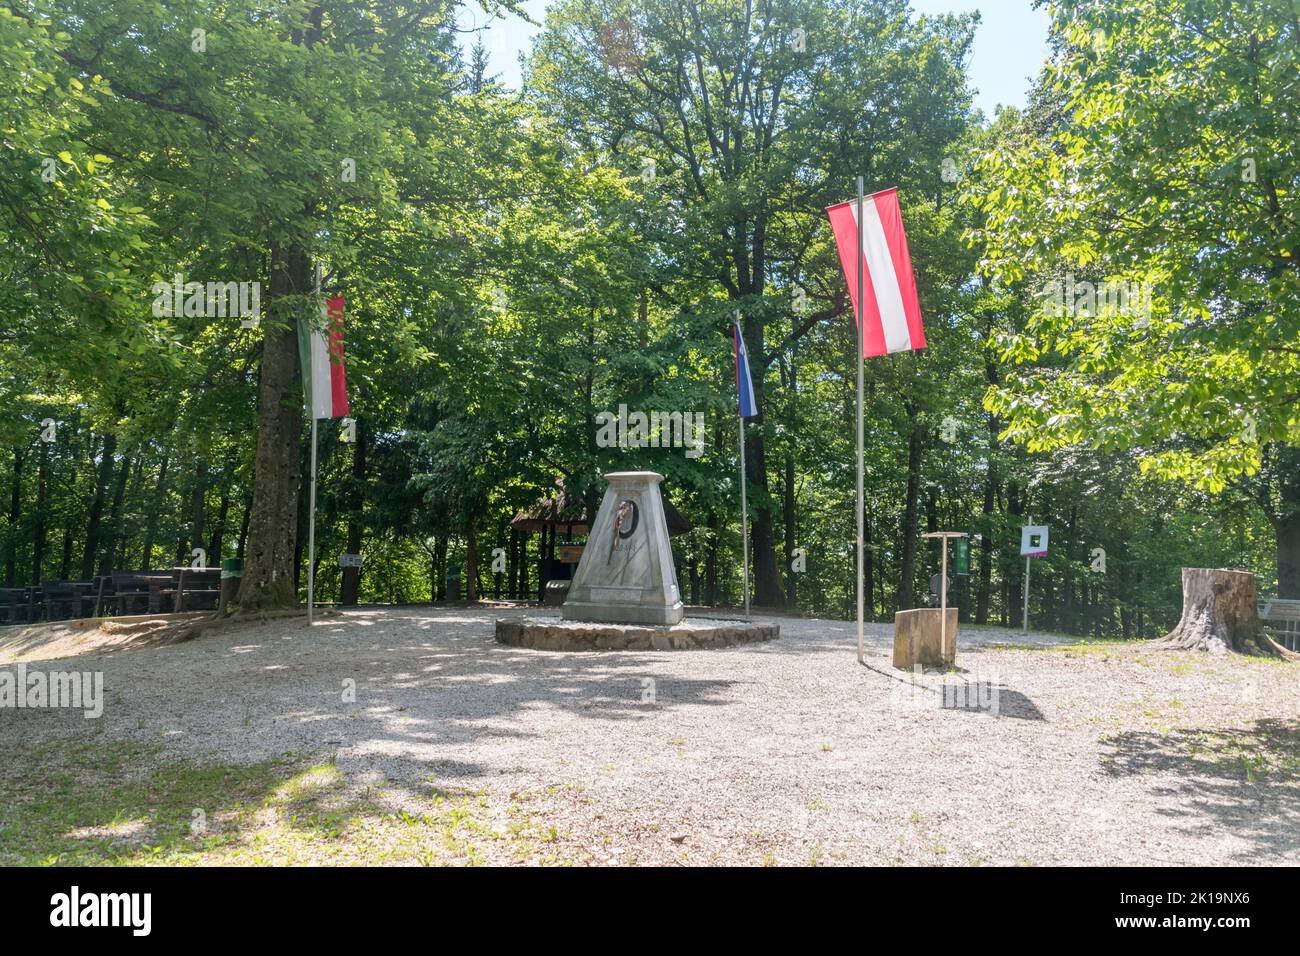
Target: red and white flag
(891, 314)
(324, 381)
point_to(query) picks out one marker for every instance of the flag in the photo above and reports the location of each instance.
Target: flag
(891, 314)
(324, 382)
(744, 385)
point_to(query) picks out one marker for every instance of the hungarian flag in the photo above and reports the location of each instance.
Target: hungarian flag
(891, 313)
(323, 381)
(744, 384)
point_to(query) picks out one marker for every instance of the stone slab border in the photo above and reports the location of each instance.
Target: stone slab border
(551, 634)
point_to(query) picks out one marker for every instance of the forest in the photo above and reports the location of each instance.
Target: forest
(1109, 279)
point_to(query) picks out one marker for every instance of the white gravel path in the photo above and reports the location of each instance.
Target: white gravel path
(785, 752)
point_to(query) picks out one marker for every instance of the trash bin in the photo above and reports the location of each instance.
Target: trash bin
(452, 582)
(232, 573)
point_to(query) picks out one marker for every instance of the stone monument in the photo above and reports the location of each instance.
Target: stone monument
(626, 575)
(624, 596)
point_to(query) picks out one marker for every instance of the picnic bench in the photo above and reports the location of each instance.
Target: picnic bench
(17, 605)
(1281, 619)
(118, 594)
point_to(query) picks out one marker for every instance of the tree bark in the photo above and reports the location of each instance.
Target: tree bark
(198, 502)
(1220, 614)
(986, 543)
(273, 519)
(115, 517)
(38, 536)
(1286, 527)
(352, 576)
(907, 571)
(151, 529)
(102, 476)
(15, 512)
(768, 591)
(471, 562)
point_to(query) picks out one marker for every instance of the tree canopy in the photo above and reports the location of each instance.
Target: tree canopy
(517, 262)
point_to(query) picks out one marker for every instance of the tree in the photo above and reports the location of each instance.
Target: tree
(1148, 214)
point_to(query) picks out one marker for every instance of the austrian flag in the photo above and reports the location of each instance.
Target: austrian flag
(324, 383)
(891, 313)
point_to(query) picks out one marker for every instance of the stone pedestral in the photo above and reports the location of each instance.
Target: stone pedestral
(626, 575)
(917, 637)
(549, 634)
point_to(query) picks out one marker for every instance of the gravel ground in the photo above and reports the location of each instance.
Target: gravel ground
(787, 752)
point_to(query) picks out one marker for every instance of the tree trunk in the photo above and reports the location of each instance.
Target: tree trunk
(273, 520)
(868, 570)
(102, 476)
(792, 590)
(352, 576)
(15, 512)
(1220, 614)
(768, 591)
(1286, 525)
(151, 529)
(115, 517)
(986, 544)
(471, 562)
(198, 502)
(243, 524)
(907, 572)
(711, 561)
(38, 536)
(217, 540)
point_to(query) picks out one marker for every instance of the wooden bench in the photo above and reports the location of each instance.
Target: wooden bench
(17, 605)
(1281, 618)
(199, 589)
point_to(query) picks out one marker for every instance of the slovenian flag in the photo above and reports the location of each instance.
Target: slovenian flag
(324, 382)
(891, 315)
(744, 384)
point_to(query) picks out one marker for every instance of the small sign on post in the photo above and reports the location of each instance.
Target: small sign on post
(943, 537)
(1033, 541)
(349, 560)
(1033, 544)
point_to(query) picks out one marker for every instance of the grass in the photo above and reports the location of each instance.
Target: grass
(105, 802)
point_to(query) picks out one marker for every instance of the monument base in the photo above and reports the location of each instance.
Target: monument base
(654, 615)
(551, 634)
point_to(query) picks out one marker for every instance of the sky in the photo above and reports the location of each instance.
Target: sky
(1010, 44)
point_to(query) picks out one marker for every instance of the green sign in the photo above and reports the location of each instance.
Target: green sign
(963, 556)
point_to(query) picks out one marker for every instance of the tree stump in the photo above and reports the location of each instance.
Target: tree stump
(1220, 613)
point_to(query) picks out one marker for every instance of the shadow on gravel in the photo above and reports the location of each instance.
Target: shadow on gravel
(1245, 781)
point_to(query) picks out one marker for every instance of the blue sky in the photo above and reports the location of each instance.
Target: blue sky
(1010, 45)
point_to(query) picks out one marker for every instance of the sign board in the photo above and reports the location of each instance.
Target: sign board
(963, 556)
(349, 560)
(1033, 541)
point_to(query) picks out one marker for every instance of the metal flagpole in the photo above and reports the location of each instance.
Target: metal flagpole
(311, 519)
(943, 602)
(858, 336)
(744, 503)
(1024, 622)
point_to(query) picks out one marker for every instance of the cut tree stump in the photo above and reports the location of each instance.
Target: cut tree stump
(1220, 613)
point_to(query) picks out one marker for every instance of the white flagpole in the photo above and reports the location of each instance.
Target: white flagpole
(311, 519)
(860, 503)
(744, 502)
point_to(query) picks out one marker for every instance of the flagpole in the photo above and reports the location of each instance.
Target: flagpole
(858, 335)
(744, 502)
(311, 518)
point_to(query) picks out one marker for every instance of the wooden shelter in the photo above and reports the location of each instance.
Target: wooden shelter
(565, 514)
